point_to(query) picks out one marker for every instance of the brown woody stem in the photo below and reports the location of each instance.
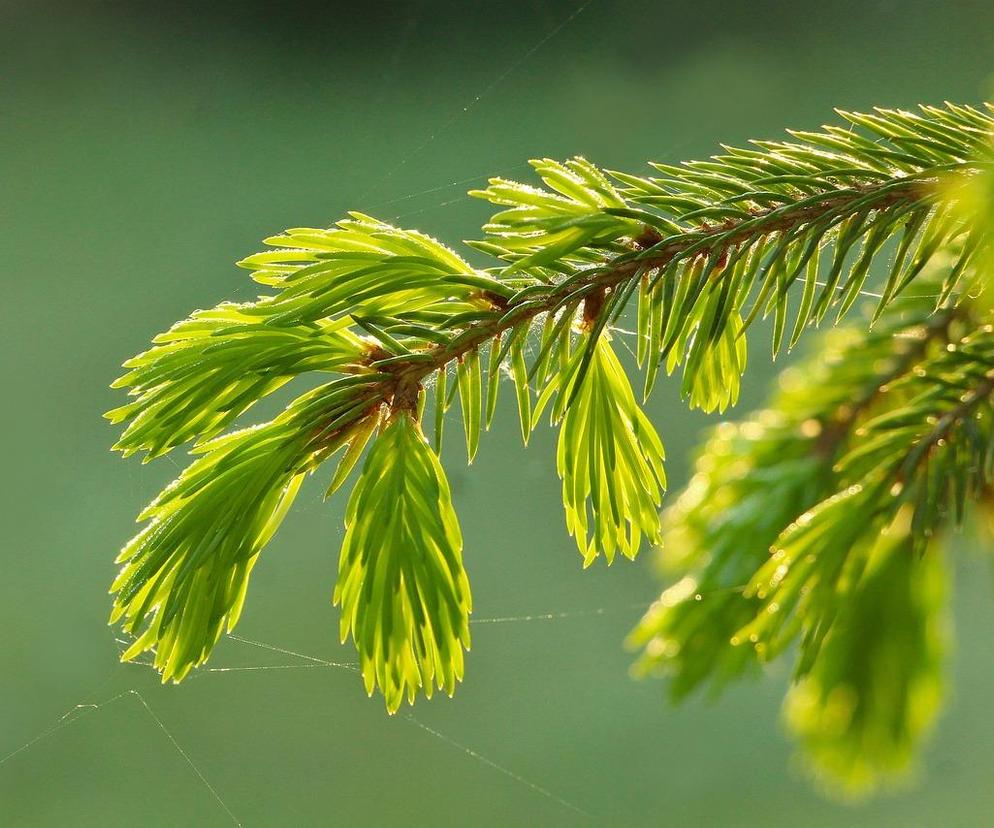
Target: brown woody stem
(599, 280)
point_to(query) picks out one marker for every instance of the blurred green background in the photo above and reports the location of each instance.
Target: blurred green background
(144, 148)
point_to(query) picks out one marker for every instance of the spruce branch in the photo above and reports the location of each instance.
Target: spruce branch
(869, 454)
(695, 255)
(754, 478)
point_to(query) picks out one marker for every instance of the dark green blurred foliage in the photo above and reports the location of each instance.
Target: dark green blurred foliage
(789, 481)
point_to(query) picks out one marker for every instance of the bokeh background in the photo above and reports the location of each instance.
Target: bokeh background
(144, 147)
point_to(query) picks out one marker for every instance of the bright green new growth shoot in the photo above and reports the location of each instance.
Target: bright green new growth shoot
(401, 584)
(609, 455)
(813, 528)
